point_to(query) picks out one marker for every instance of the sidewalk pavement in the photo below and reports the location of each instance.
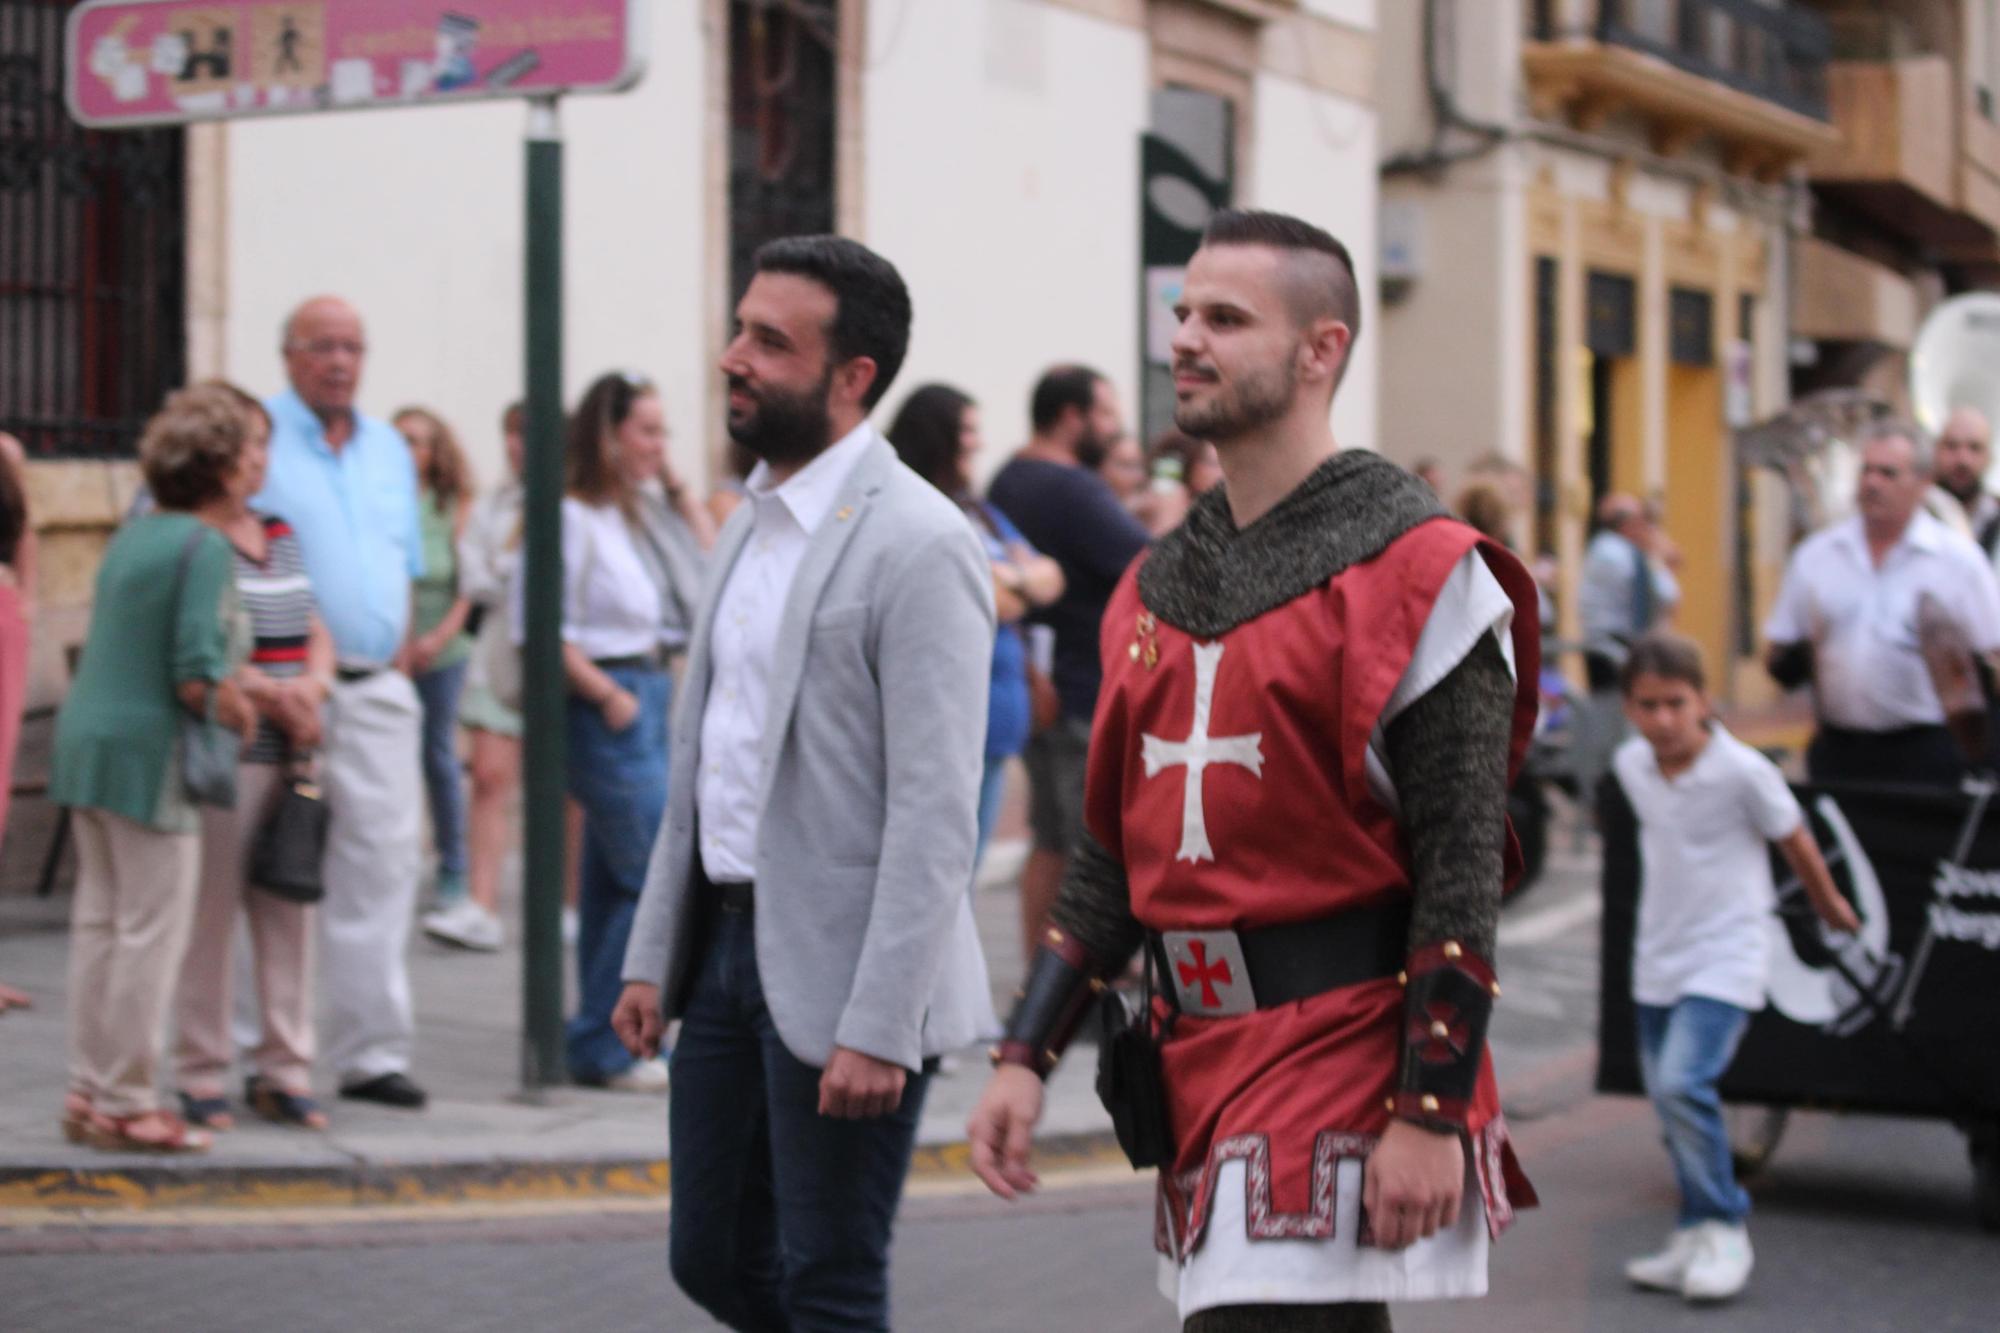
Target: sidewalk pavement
(480, 1139)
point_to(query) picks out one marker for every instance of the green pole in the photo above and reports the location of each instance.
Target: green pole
(543, 688)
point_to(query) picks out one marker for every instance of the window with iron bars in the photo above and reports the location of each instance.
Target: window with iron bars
(783, 110)
(92, 257)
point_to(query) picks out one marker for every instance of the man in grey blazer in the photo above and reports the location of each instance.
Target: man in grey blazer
(810, 878)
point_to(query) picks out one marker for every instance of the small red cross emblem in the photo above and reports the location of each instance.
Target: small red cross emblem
(1435, 1047)
(1205, 973)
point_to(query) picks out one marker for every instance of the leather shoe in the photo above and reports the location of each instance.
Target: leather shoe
(392, 1089)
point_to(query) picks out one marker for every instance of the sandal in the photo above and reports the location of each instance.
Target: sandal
(79, 1118)
(281, 1107)
(114, 1134)
(207, 1112)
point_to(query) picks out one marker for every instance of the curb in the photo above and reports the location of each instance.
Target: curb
(150, 1187)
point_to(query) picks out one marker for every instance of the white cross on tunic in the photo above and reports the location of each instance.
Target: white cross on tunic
(1200, 750)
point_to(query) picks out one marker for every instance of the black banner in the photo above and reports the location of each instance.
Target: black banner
(1904, 1018)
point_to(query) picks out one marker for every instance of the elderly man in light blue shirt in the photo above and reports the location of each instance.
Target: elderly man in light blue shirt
(345, 483)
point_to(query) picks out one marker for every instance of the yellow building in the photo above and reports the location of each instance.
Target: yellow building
(1588, 209)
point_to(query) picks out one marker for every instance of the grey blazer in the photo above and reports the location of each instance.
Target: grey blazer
(871, 769)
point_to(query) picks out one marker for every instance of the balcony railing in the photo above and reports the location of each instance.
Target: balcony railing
(1776, 52)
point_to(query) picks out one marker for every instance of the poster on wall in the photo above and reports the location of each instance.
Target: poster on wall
(164, 62)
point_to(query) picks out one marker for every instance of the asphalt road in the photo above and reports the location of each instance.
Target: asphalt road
(1861, 1224)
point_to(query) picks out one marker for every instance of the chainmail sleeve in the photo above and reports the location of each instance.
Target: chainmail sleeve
(1095, 905)
(1447, 755)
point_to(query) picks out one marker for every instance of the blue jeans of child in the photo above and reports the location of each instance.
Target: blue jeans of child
(443, 783)
(620, 780)
(782, 1216)
(1683, 1050)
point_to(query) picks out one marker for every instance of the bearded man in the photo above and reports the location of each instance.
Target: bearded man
(1315, 694)
(810, 874)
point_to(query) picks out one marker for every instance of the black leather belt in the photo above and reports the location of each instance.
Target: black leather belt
(736, 897)
(634, 662)
(1219, 973)
(348, 675)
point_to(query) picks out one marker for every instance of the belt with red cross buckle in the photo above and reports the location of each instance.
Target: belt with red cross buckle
(1223, 973)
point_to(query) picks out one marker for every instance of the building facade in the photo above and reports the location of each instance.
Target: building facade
(991, 148)
(1588, 207)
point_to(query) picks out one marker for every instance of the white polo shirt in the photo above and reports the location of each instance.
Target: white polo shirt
(1868, 670)
(743, 640)
(1705, 895)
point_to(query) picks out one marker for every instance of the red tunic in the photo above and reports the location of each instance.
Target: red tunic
(1292, 832)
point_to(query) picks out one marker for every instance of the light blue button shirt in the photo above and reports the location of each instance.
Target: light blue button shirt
(355, 511)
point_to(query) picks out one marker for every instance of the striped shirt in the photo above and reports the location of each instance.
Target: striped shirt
(278, 600)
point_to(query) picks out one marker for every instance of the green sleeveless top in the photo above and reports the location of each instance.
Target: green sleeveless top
(435, 592)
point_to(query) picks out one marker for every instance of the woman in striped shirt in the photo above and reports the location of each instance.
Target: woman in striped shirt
(287, 679)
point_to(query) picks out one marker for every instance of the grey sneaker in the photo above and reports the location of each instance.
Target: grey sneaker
(465, 925)
(642, 1076)
(1667, 1270)
(1721, 1264)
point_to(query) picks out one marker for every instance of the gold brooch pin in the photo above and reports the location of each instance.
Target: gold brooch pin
(1146, 648)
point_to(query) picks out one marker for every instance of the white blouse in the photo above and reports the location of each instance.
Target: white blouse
(611, 605)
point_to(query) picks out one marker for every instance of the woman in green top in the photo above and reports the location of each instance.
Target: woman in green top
(439, 645)
(163, 642)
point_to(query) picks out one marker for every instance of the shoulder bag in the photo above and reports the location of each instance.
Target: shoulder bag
(209, 751)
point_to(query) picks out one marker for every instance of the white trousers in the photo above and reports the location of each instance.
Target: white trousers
(372, 775)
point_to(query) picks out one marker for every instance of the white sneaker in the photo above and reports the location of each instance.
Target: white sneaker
(569, 926)
(642, 1076)
(1667, 1270)
(466, 925)
(1721, 1264)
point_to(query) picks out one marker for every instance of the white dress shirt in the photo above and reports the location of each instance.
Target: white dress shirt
(1868, 667)
(742, 642)
(611, 605)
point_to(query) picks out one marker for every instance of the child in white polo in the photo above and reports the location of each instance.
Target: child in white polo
(1708, 808)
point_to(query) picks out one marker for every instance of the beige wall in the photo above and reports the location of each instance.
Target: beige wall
(1455, 351)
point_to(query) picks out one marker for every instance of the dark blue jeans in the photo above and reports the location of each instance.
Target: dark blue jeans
(781, 1216)
(1684, 1049)
(620, 780)
(443, 782)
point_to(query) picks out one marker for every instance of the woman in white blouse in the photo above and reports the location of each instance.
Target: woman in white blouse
(633, 543)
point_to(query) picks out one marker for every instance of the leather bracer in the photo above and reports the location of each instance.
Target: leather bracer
(1448, 994)
(1061, 983)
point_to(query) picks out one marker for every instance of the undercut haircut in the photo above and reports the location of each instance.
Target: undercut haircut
(1667, 656)
(1318, 272)
(871, 314)
(1059, 389)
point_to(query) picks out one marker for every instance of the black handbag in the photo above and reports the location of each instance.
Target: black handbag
(1129, 1081)
(291, 842)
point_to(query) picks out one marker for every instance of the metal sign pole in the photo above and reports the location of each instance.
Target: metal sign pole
(543, 689)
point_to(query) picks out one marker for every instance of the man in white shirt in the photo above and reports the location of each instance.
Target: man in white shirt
(809, 881)
(1884, 612)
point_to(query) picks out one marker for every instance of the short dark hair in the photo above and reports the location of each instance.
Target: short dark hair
(514, 418)
(1060, 388)
(1667, 655)
(871, 315)
(926, 433)
(1312, 290)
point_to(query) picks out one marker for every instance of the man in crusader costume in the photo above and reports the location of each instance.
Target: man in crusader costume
(1316, 692)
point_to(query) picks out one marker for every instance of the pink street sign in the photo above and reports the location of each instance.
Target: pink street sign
(159, 62)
